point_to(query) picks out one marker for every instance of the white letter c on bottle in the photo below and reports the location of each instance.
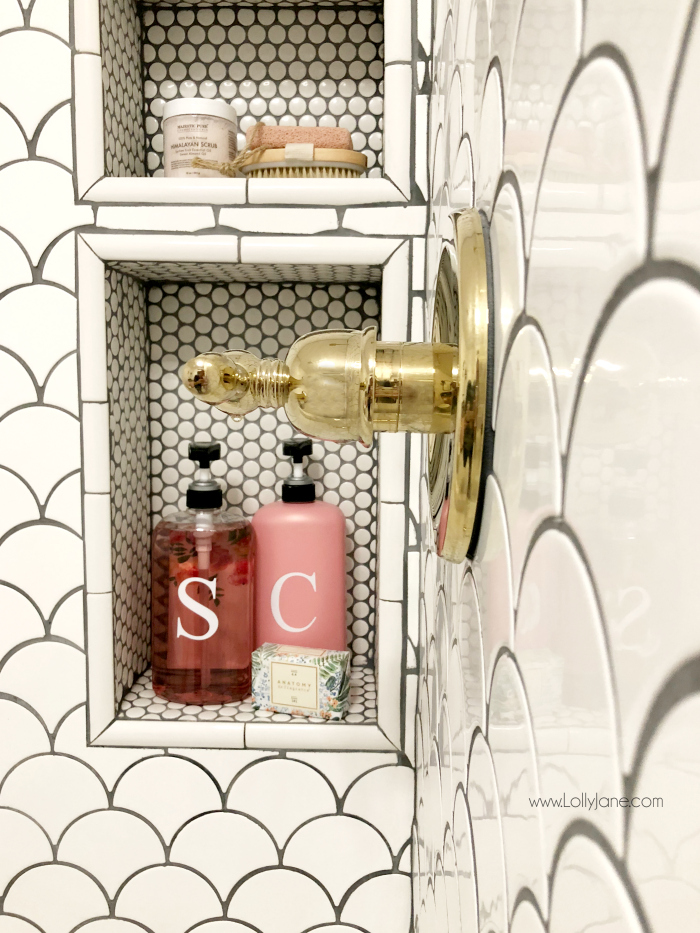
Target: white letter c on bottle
(275, 600)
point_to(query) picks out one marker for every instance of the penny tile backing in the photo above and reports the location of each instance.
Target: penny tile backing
(182, 320)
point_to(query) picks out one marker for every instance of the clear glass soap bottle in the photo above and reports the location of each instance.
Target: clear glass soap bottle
(202, 595)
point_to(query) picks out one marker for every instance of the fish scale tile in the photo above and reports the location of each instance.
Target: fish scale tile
(615, 480)
(578, 710)
(65, 792)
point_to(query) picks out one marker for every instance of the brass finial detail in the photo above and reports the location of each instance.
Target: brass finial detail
(236, 381)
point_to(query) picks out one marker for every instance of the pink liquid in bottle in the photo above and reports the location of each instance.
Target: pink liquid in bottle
(202, 599)
(300, 587)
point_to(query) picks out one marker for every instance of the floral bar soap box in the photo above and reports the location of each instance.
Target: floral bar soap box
(301, 681)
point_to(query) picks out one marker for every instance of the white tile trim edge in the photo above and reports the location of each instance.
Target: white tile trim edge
(96, 454)
(86, 20)
(89, 120)
(311, 250)
(389, 644)
(397, 32)
(395, 288)
(318, 250)
(318, 192)
(308, 737)
(92, 325)
(398, 110)
(152, 734)
(327, 192)
(392, 468)
(317, 737)
(173, 247)
(100, 662)
(410, 714)
(98, 542)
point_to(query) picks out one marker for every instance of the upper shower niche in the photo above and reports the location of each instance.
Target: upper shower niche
(291, 66)
(355, 64)
(283, 64)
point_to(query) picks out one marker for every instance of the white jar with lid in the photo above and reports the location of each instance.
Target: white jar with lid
(196, 127)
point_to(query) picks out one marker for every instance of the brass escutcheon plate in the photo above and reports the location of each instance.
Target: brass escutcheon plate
(456, 463)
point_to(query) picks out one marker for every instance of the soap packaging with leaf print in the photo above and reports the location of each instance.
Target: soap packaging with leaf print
(202, 595)
(301, 681)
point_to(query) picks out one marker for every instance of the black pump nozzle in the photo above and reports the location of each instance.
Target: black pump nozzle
(298, 487)
(204, 454)
(204, 493)
(297, 448)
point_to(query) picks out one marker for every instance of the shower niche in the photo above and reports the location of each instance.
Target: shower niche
(344, 64)
(174, 266)
(152, 328)
(288, 65)
(140, 432)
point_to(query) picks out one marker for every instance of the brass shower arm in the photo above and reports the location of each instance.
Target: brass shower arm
(342, 385)
(338, 385)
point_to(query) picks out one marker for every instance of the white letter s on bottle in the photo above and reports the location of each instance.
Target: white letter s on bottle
(275, 600)
(208, 615)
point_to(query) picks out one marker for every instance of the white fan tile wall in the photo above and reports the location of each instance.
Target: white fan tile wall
(164, 840)
(565, 659)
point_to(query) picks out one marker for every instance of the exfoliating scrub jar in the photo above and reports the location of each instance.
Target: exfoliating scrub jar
(302, 152)
(197, 128)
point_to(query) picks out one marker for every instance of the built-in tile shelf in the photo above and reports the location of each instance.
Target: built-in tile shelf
(280, 63)
(136, 425)
(326, 64)
(353, 244)
(141, 703)
(226, 233)
(336, 64)
(145, 719)
(255, 191)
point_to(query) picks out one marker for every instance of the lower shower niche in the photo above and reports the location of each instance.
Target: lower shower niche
(152, 328)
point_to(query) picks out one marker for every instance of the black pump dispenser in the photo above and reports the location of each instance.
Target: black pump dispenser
(298, 487)
(204, 492)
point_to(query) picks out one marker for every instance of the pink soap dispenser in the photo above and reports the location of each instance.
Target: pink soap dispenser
(300, 564)
(202, 595)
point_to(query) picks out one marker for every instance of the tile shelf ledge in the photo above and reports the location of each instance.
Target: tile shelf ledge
(311, 737)
(322, 192)
(172, 725)
(186, 248)
(141, 703)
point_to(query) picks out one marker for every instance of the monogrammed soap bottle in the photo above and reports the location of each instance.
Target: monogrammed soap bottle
(202, 595)
(300, 566)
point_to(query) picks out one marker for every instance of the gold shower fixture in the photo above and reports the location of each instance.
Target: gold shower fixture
(341, 385)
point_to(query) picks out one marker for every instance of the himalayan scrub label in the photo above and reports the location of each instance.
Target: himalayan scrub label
(197, 135)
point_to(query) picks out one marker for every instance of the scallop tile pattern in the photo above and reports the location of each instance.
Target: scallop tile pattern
(266, 319)
(595, 700)
(121, 840)
(122, 88)
(58, 876)
(127, 388)
(141, 703)
(283, 65)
